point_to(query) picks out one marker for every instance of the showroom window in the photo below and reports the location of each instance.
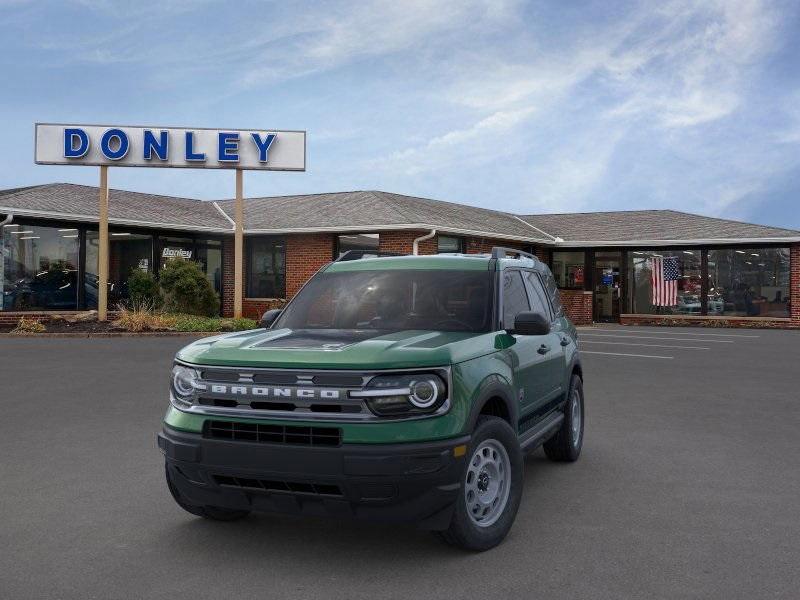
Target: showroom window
(266, 267)
(368, 242)
(128, 252)
(449, 244)
(665, 282)
(748, 282)
(569, 269)
(209, 255)
(39, 267)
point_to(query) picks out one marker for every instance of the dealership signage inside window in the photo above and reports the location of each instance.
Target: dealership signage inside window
(176, 253)
(60, 144)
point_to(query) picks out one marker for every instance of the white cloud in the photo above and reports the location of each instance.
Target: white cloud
(474, 144)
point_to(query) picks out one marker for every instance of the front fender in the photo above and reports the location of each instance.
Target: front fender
(478, 381)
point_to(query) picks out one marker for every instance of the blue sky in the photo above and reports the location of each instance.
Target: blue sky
(521, 106)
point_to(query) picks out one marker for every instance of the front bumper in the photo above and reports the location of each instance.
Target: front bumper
(411, 482)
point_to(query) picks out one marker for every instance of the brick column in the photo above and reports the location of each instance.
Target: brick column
(577, 305)
(794, 284)
(227, 277)
(306, 254)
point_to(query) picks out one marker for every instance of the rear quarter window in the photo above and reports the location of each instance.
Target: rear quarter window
(552, 291)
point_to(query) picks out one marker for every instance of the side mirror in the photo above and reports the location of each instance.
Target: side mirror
(269, 317)
(531, 323)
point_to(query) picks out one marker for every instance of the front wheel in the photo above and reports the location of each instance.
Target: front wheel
(491, 488)
(566, 444)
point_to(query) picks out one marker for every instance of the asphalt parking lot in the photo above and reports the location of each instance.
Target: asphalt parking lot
(688, 487)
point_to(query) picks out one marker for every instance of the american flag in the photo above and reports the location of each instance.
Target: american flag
(664, 277)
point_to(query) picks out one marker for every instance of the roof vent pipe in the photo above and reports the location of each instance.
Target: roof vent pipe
(7, 220)
(427, 236)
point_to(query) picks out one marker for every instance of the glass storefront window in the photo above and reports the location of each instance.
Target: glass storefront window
(369, 242)
(747, 282)
(266, 267)
(569, 269)
(665, 282)
(39, 268)
(128, 252)
(209, 255)
(449, 244)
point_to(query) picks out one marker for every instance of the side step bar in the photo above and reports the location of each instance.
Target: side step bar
(538, 434)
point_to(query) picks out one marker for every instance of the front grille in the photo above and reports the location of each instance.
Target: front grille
(289, 487)
(273, 434)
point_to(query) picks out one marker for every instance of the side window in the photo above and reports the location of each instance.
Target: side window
(537, 294)
(552, 291)
(515, 299)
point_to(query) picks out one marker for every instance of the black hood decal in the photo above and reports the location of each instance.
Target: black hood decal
(321, 339)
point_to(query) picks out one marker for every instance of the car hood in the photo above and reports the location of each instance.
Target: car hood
(347, 349)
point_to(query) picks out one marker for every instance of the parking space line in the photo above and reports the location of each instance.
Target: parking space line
(650, 337)
(624, 354)
(648, 345)
(733, 335)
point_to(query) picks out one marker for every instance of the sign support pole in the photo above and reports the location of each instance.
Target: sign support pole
(102, 255)
(238, 255)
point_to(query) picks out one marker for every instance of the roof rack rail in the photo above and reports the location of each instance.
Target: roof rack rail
(501, 252)
(357, 254)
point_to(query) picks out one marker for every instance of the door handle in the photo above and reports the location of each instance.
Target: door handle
(543, 349)
(565, 341)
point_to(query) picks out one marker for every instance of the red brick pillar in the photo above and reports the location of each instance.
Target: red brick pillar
(306, 254)
(794, 284)
(227, 277)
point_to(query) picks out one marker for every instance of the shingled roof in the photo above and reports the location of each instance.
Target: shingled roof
(79, 202)
(356, 211)
(364, 211)
(638, 226)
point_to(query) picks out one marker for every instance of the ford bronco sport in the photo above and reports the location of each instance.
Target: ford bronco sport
(395, 388)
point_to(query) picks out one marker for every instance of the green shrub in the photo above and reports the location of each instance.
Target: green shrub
(240, 324)
(143, 289)
(194, 323)
(186, 289)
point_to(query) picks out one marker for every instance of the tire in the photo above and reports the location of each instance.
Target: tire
(493, 443)
(566, 444)
(214, 513)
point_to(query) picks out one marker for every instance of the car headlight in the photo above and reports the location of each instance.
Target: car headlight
(404, 394)
(185, 381)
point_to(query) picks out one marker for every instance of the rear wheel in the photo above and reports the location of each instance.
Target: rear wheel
(566, 444)
(215, 513)
(491, 488)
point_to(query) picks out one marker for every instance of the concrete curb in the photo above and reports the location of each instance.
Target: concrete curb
(107, 334)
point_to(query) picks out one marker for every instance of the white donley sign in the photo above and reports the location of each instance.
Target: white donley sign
(189, 148)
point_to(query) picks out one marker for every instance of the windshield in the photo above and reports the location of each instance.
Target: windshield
(393, 300)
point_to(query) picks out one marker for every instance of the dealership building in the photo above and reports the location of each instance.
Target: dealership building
(718, 271)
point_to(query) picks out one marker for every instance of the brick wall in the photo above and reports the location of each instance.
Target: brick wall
(305, 254)
(709, 321)
(227, 276)
(254, 309)
(577, 305)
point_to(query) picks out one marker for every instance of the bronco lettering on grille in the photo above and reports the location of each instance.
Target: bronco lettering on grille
(275, 392)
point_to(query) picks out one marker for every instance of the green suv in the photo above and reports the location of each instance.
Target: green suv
(395, 388)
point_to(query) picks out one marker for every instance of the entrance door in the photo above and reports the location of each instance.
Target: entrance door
(607, 286)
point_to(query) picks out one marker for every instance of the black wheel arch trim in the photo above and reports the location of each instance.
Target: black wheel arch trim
(494, 386)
